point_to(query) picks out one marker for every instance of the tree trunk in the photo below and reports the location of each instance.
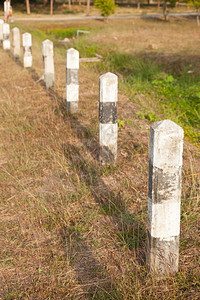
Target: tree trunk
(79, 2)
(198, 23)
(28, 7)
(88, 7)
(51, 7)
(158, 4)
(138, 4)
(165, 10)
(70, 4)
(45, 2)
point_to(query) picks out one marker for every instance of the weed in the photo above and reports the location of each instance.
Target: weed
(59, 33)
(121, 123)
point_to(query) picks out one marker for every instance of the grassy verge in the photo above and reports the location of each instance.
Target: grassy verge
(174, 96)
(167, 94)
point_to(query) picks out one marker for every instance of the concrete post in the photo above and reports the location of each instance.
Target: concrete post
(164, 197)
(6, 36)
(108, 127)
(6, 10)
(27, 44)
(16, 43)
(72, 80)
(48, 64)
(1, 31)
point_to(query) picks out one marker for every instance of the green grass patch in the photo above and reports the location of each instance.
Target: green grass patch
(168, 95)
(177, 96)
(61, 33)
(86, 49)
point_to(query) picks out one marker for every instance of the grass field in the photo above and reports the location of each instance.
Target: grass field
(71, 229)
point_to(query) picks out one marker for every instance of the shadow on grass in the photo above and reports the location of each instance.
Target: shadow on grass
(130, 232)
(93, 282)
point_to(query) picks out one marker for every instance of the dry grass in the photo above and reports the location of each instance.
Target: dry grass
(69, 228)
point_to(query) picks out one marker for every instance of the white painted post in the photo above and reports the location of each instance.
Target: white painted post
(108, 127)
(1, 31)
(16, 43)
(6, 36)
(27, 44)
(164, 197)
(72, 80)
(48, 64)
(6, 10)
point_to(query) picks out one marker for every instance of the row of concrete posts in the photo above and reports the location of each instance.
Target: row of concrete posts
(26, 43)
(165, 159)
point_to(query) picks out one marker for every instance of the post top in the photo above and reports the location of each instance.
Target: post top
(15, 29)
(108, 75)
(166, 144)
(26, 34)
(72, 58)
(167, 126)
(108, 87)
(6, 25)
(72, 50)
(47, 48)
(47, 42)
(27, 39)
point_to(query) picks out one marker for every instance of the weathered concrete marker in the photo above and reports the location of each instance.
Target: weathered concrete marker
(27, 44)
(108, 127)
(6, 10)
(16, 43)
(164, 197)
(1, 31)
(72, 80)
(6, 36)
(48, 64)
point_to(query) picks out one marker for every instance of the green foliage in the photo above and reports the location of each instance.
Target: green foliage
(173, 2)
(178, 95)
(86, 49)
(151, 116)
(182, 96)
(194, 3)
(121, 123)
(135, 71)
(107, 7)
(63, 33)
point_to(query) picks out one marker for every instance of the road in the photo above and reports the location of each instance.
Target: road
(71, 18)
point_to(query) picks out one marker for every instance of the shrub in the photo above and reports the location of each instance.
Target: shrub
(107, 7)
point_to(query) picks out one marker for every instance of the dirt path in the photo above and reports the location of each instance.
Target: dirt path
(71, 18)
(70, 229)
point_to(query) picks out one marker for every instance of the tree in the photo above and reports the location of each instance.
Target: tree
(165, 9)
(51, 7)
(138, 4)
(107, 7)
(70, 4)
(28, 7)
(88, 7)
(196, 4)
